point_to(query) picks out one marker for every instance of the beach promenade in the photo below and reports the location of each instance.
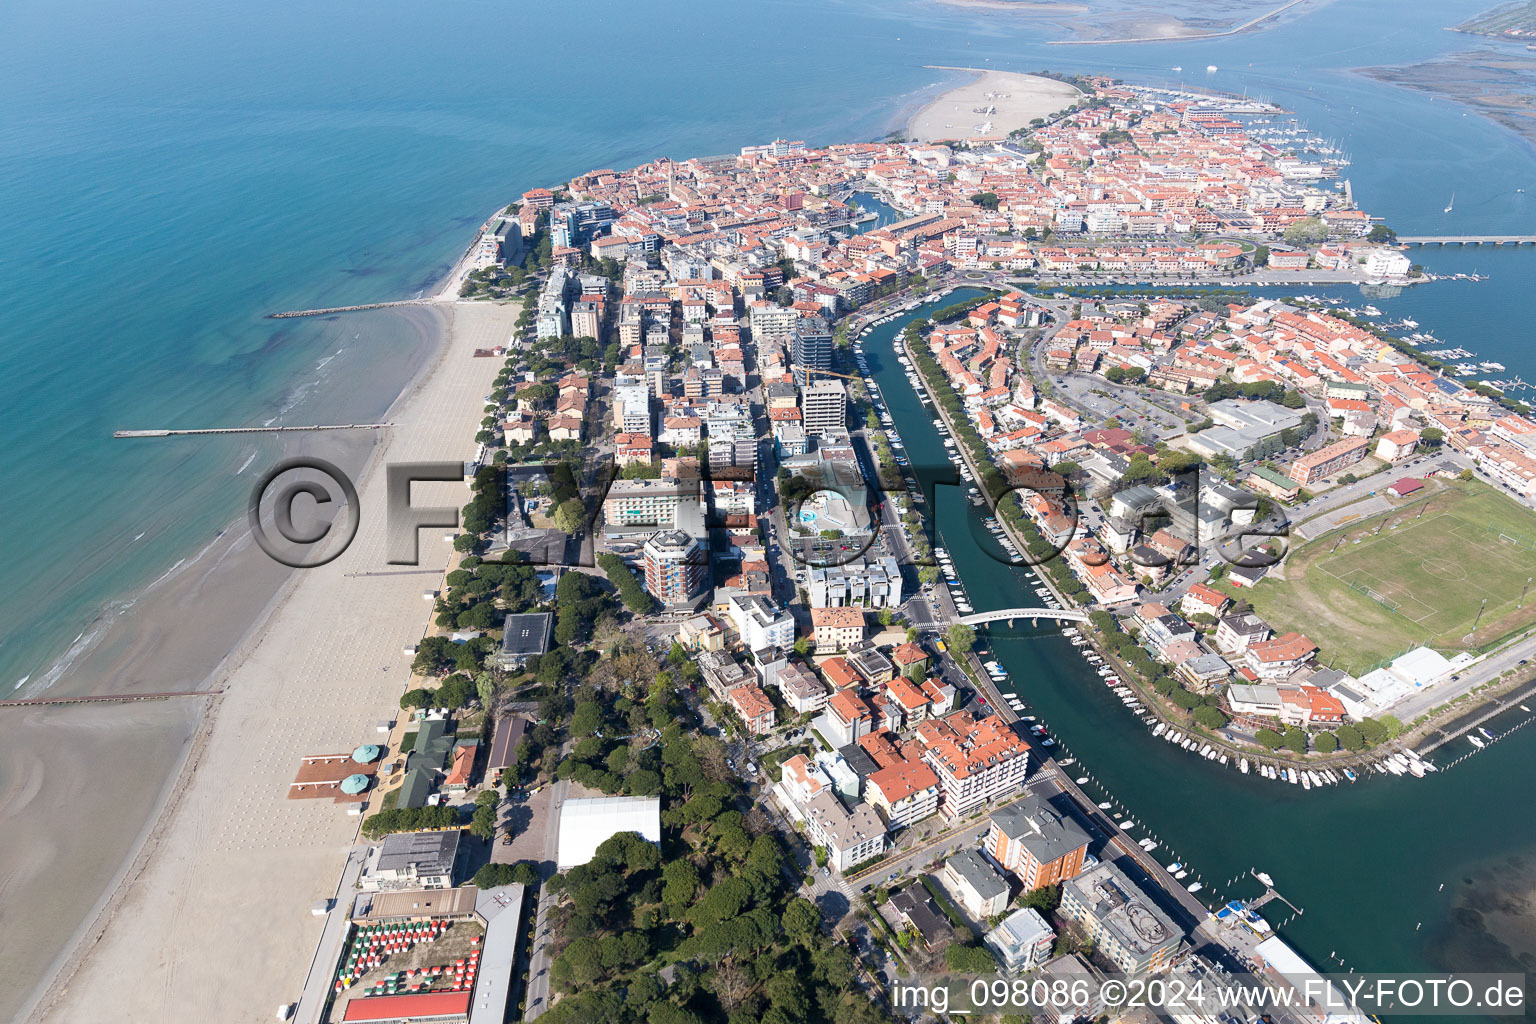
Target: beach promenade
(213, 921)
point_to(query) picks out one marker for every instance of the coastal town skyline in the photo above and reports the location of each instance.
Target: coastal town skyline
(849, 561)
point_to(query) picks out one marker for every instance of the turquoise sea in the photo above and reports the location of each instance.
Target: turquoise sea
(168, 175)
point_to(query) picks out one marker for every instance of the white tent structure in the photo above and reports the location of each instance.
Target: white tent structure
(585, 824)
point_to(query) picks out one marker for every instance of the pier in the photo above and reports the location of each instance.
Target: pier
(248, 430)
(346, 309)
(114, 698)
(1467, 239)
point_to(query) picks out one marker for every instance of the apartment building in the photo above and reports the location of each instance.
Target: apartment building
(759, 623)
(1039, 844)
(837, 629)
(975, 761)
(635, 504)
(980, 889)
(753, 707)
(824, 408)
(1279, 657)
(676, 569)
(801, 689)
(849, 836)
(904, 792)
(1335, 458)
(1123, 922)
(872, 583)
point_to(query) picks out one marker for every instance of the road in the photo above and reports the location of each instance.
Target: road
(537, 997)
(1349, 503)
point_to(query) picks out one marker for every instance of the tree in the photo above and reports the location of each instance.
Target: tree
(1381, 233)
(1326, 742)
(569, 515)
(969, 959)
(961, 638)
(417, 698)
(1269, 738)
(1295, 740)
(1045, 899)
(1306, 231)
(1210, 717)
(1431, 437)
(1349, 737)
(801, 918)
(985, 200)
(1373, 731)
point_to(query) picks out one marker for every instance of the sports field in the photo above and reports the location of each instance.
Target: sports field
(1416, 575)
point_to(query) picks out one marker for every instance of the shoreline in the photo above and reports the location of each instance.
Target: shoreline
(177, 735)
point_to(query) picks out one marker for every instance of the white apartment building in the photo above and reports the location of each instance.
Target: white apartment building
(759, 624)
(871, 584)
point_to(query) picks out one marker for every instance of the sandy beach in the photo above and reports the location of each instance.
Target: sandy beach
(225, 873)
(1016, 100)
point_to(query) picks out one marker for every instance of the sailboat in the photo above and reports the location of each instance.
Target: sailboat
(1451, 203)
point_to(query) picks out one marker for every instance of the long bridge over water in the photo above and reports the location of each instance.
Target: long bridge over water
(1467, 239)
(1033, 614)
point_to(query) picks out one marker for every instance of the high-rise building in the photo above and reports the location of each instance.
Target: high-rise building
(632, 408)
(824, 408)
(810, 347)
(676, 569)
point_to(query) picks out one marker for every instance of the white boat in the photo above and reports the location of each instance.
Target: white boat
(1181, 874)
(1104, 805)
(1082, 781)
(1196, 887)
(1210, 68)
(1174, 866)
(1476, 741)
(1159, 730)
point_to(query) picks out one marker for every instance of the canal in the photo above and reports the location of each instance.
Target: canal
(1392, 874)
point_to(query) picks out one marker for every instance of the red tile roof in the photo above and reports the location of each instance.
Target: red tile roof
(422, 1005)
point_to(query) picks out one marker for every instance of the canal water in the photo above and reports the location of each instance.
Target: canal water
(885, 213)
(1365, 862)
